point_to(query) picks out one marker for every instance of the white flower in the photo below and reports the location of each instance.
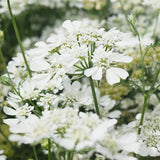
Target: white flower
(102, 60)
(71, 26)
(76, 94)
(17, 110)
(34, 129)
(28, 90)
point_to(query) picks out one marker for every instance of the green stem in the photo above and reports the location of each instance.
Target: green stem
(142, 56)
(3, 61)
(49, 149)
(18, 38)
(155, 89)
(146, 96)
(35, 153)
(94, 96)
(139, 87)
(69, 155)
(155, 80)
(155, 27)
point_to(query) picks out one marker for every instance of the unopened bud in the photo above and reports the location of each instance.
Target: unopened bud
(131, 19)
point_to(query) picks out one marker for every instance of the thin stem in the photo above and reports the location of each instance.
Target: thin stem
(142, 56)
(146, 96)
(139, 87)
(49, 149)
(18, 38)
(94, 96)
(69, 155)
(35, 153)
(155, 27)
(155, 79)
(155, 89)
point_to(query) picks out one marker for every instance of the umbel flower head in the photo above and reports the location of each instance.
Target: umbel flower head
(79, 51)
(54, 105)
(94, 50)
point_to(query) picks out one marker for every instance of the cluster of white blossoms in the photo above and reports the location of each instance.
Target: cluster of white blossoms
(147, 143)
(57, 29)
(71, 130)
(154, 3)
(145, 23)
(19, 6)
(53, 105)
(66, 127)
(82, 51)
(150, 134)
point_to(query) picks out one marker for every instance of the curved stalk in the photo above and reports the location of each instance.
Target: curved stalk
(18, 38)
(35, 153)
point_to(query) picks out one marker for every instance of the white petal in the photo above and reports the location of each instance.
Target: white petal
(1, 151)
(39, 65)
(111, 77)
(120, 72)
(76, 85)
(122, 58)
(98, 74)
(15, 138)
(100, 131)
(10, 121)
(9, 111)
(68, 25)
(114, 114)
(90, 71)
(153, 152)
(41, 44)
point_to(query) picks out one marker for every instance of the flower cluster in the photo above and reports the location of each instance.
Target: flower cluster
(155, 4)
(54, 100)
(19, 6)
(150, 133)
(86, 90)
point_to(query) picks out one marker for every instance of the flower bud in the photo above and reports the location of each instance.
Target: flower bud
(131, 19)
